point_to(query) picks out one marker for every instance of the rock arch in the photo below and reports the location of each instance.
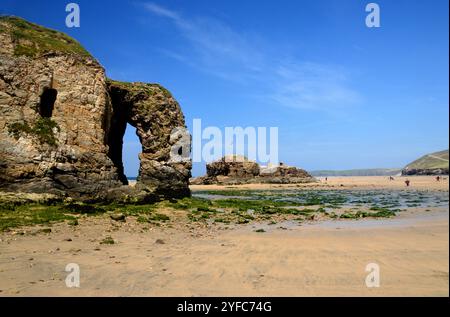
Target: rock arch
(154, 113)
(59, 132)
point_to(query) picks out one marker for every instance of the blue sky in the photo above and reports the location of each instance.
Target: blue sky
(343, 95)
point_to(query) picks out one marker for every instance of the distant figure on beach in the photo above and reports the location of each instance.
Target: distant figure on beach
(438, 178)
(391, 178)
(326, 179)
(407, 182)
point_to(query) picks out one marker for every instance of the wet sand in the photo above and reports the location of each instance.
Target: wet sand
(312, 260)
(181, 259)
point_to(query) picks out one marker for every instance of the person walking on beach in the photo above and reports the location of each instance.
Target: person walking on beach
(438, 178)
(407, 182)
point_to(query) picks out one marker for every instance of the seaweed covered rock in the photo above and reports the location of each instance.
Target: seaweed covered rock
(62, 122)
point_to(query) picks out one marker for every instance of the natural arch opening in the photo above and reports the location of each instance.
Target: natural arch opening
(124, 149)
(47, 102)
(130, 153)
(124, 144)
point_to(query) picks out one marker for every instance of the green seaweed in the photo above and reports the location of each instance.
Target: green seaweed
(32, 214)
(107, 240)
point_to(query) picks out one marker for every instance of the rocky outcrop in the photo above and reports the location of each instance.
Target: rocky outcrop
(284, 174)
(428, 171)
(233, 166)
(231, 170)
(62, 123)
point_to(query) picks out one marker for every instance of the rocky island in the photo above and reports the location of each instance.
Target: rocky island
(237, 169)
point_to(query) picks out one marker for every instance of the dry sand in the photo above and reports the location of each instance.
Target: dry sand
(357, 182)
(321, 258)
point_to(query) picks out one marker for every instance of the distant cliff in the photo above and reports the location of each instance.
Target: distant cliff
(358, 172)
(430, 164)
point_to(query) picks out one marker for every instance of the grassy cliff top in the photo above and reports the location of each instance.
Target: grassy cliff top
(431, 161)
(138, 87)
(33, 40)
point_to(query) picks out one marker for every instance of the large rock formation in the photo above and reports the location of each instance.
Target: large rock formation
(233, 166)
(236, 169)
(284, 174)
(62, 123)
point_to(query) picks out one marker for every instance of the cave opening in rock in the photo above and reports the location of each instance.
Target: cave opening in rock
(47, 102)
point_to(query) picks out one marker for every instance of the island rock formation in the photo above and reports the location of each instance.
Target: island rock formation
(62, 122)
(236, 169)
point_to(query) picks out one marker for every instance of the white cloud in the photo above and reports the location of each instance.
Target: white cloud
(313, 86)
(218, 49)
(215, 46)
(163, 12)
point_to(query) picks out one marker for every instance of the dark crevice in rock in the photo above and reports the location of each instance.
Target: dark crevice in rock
(47, 102)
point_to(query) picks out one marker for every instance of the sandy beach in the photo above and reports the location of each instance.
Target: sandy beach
(317, 258)
(357, 182)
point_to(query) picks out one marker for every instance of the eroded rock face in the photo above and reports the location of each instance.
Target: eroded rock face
(60, 129)
(69, 152)
(238, 167)
(283, 174)
(283, 171)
